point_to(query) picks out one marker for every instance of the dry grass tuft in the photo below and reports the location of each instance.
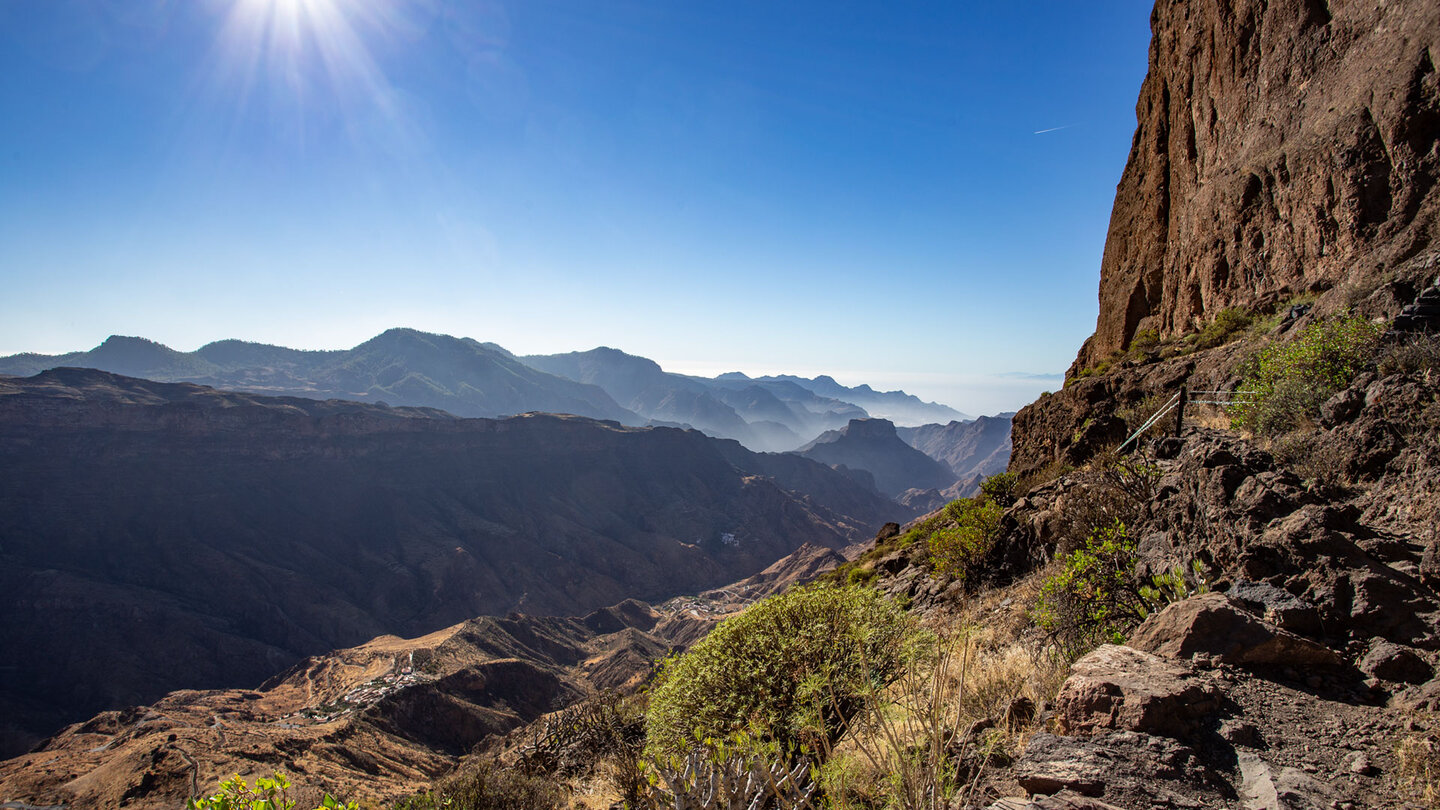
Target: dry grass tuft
(1417, 760)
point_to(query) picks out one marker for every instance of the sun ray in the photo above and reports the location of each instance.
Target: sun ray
(309, 62)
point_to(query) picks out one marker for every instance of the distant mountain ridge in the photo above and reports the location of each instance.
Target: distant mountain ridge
(469, 378)
(399, 367)
(896, 406)
(762, 415)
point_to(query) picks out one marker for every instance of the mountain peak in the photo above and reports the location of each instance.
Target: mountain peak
(870, 428)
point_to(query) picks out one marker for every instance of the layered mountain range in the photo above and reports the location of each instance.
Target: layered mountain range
(399, 367)
(166, 535)
(473, 379)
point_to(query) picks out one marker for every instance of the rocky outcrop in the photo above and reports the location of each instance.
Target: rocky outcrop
(1212, 625)
(159, 536)
(1280, 147)
(873, 446)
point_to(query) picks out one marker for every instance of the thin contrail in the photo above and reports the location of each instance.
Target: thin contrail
(1052, 129)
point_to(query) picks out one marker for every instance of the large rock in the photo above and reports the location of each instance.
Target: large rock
(1393, 662)
(1120, 765)
(1281, 145)
(1213, 625)
(1118, 687)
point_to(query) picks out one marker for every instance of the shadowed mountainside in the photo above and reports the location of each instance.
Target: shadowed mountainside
(971, 449)
(166, 535)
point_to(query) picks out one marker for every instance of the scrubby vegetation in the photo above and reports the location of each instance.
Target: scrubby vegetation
(1418, 759)
(268, 793)
(486, 786)
(1227, 323)
(1096, 597)
(1002, 488)
(960, 546)
(1288, 381)
(1416, 355)
(602, 736)
(762, 672)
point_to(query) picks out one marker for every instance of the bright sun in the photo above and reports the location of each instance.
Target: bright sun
(300, 42)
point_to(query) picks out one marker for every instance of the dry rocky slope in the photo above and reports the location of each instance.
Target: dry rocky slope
(1283, 148)
(1282, 145)
(380, 720)
(160, 536)
(1295, 681)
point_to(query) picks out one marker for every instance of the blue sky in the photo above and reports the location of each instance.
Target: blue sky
(908, 195)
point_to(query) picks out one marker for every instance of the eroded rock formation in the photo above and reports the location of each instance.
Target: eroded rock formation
(1282, 145)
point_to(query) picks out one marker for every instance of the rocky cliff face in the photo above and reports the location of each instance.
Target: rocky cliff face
(157, 536)
(1281, 146)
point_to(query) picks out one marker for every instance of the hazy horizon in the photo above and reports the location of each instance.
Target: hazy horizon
(980, 395)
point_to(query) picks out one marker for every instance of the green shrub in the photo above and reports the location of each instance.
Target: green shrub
(758, 671)
(268, 793)
(1288, 382)
(957, 549)
(1219, 331)
(1001, 488)
(1096, 597)
(1092, 599)
(859, 576)
(1143, 342)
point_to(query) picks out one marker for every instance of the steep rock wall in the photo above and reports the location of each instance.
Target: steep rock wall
(1282, 145)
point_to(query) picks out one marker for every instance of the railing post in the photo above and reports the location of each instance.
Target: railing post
(1180, 409)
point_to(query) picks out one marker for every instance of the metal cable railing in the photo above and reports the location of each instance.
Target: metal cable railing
(1158, 415)
(1183, 397)
(1225, 397)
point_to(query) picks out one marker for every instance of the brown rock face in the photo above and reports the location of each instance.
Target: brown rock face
(1211, 624)
(1117, 687)
(1281, 145)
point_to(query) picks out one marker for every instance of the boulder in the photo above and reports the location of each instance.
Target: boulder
(1213, 625)
(1064, 800)
(1117, 765)
(1276, 606)
(1118, 687)
(1389, 661)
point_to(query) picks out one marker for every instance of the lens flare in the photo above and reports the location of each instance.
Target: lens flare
(309, 64)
